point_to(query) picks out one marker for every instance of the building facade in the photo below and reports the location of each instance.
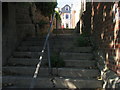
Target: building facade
(67, 17)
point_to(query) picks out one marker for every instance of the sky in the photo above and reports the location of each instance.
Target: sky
(76, 6)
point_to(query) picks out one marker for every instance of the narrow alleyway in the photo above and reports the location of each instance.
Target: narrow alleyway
(80, 69)
(85, 54)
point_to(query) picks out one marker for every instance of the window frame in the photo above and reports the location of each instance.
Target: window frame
(66, 16)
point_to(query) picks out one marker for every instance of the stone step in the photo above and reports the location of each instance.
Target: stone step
(53, 37)
(63, 72)
(30, 48)
(25, 82)
(65, 31)
(50, 41)
(80, 63)
(66, 35)
(27, 54)
(76, 56)
(25, 71)
(32, 43)
(78, 49)
(25, 62)
(68, 63)
(77, 83)
(41, 43)
(78, 72)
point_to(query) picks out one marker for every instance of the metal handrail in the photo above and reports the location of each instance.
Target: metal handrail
(40, 58)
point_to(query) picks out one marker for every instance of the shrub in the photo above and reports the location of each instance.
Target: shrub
(46, 8)
(85, 34)
(82, 41)
(57, 61)
(42, 23)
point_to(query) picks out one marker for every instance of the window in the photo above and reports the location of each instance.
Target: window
(66, 8)
(67, 16)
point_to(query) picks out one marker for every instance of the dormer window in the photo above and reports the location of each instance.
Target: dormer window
(67, 8)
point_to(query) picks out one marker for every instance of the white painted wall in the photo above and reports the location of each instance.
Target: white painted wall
(66, 21)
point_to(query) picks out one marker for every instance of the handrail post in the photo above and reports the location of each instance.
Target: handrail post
(48, 52)
(49, 61)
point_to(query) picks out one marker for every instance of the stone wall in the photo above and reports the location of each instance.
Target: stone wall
(24, 24)
(17, 24)
(105, 41)
(20, 20)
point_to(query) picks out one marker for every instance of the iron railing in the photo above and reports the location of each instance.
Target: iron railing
(46, 43)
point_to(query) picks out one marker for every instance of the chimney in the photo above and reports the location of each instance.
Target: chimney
(71, 6)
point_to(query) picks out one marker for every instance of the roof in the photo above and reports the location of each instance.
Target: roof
(66, 11)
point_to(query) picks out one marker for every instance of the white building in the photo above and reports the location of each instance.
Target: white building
(67, 17)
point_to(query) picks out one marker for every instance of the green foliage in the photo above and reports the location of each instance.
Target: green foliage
(85, 34)
(57, 16)
(46, 8)
(57, 61)
(82, 41)
(42, 23)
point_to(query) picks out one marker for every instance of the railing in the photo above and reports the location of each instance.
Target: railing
(46, 43)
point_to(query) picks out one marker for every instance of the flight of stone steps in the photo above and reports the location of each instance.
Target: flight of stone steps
(80, 69)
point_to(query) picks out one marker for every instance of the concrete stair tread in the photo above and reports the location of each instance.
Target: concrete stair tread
(80, 60)
(30, 48)
(25, 82)
(25, 61)
(32, 43)
(45, 82)
(25, 71)
(38, 48)
(76, 68)
(78, 72)
(62, 68)
(75, 53)
(72, 72)
(78, 49)
(76, 78)
(59, 31)
(82, 56)
(55, 42)
(27, 54)
(53, 37)
(80, 63)
(77, 83)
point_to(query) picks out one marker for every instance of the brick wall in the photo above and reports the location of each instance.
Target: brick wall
(104, 34)
(105, 39)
